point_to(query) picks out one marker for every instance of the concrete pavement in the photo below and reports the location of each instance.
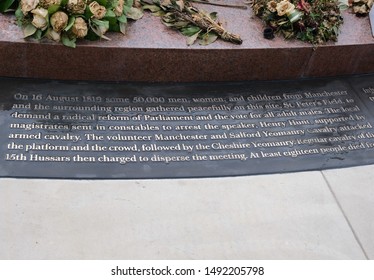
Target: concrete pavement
(306, 215)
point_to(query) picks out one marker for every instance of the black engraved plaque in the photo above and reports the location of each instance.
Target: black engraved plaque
(56, 129)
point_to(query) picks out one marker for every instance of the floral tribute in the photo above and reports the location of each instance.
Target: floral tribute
(314, 21)
(361, 7)
(69, 20)
(191, 21)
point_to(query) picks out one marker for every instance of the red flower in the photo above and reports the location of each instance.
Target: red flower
(304, 6)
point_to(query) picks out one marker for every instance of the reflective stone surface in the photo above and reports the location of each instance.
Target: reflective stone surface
(125, 130)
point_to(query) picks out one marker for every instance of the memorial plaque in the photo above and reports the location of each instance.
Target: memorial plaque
(56, 129)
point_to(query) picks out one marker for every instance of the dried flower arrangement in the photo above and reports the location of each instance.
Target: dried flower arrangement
(69, 20)
(361, 7)
(314, 21)
(190, 21)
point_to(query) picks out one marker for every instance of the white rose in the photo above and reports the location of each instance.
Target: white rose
(79, 28)
(272, 6)
(284, 8)
(40, 18)
(59, 20)
(47, 3)
(76, 6)
(118, 10)
(28, 5)
(97, 10)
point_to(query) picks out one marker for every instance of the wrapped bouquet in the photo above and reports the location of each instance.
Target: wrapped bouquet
(69, 20)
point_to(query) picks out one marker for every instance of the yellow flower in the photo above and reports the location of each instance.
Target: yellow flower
(97, 10)
(79, 28)
(284, 8)
(40, 18)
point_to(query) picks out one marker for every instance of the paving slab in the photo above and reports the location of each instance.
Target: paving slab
(284, 216)
(354, 190)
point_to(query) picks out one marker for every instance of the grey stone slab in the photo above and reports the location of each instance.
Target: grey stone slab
(284, 216)
(354, 189)
(59, 129)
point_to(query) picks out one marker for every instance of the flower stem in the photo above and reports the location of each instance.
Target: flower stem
(205, 22)
(207, 2)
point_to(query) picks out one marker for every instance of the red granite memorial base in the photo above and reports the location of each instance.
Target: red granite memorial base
(151, 52)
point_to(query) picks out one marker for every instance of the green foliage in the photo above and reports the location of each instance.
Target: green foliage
(5, 5)
(53, 8)
(28, 30)
(68, 42)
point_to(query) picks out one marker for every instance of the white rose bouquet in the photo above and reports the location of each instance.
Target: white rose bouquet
(68, 20)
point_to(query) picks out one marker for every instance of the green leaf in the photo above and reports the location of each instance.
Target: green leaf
(110, 13)
(91, 35)
(192, 39)
(181, 24)
(38, 34)
(122, 19)
(5, 5)
(102, 2)
(129, 3)
(134, 13)
(343, 4)
(122, 27)
(114, 27)
(19, 16)
(100, 22)
(28, 30)
(208, 38)
(152, 8)
(213, 15)
(88, 13)
(99, 27)
(53, 8)
(111, 20)
(190, 30)
(64, 3)
(67, 41)
(70, 23)
(158, 14)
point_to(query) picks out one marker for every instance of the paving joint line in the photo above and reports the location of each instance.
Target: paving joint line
(345, 216)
